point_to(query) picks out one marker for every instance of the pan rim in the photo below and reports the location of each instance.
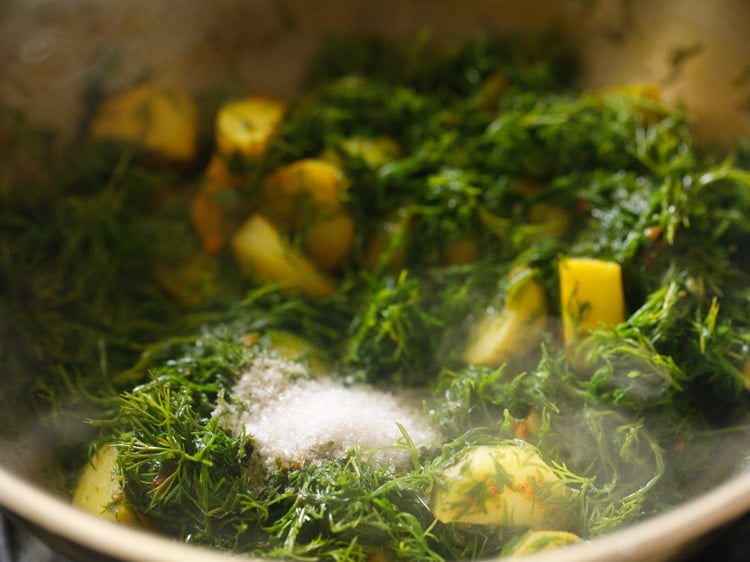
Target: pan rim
(656, 538)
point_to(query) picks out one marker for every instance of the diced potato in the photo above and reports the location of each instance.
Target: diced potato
(247, 126)
(514, 330)
(380, 554)
(329, 239)
(303, 188)
(498, 338)
(507, 484)
(163, 120)
(374, 151)
(491, 91)
(636, 90)
(460, 252)
(291, 346)
(746, 375)
(527, 428)
(263, 254)
(539, 541)
(297, 348)
(646, 92)
(526, 187)
(99, 488)
(191, 281)
(526, 294)
(209, 216)
(388, 244)
(305, 198)
(591, 295)
(554, 217)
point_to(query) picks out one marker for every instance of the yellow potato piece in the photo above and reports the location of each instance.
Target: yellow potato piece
(374, 151)
(190, 281)
(265, 256)
(163, 120)
(635, 90)
(513, 331)
(645, 92)
(247, 126)
(329, 239)
(388, 244)
(460, 252)
(99, 488)
(555, 218)
(492, 90)
(296, 348)
(527, 428)
(209, 217)
(539, 541)
(591, 295)
(380, 554)
(302, 188)
(304, 197)
(507, 484)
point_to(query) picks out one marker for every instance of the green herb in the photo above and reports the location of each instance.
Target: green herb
(496, 146)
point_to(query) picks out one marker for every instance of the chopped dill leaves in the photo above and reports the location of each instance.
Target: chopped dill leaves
(111, 308)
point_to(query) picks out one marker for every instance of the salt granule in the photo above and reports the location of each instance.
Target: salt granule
(296, 419)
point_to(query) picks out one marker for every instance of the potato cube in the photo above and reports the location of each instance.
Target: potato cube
(514, 330)
(553, 217)
(209, 216)
(540, 541)
(304, 198)
(247, 126)
(591, 295)
(291, 346)
(647, 91)
(303, 188)
(374, 151)
(746, 375)
(489, 95)
(329, 239)
(507, 484)
(460, 252)
(99, 488)
(163, 120)
(263, 254)
(387, 245)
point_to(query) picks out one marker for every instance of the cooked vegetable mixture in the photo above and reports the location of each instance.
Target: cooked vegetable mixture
(442, 305)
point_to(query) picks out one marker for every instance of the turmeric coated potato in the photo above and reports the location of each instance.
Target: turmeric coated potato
(373, 151)
(387, 245)
(554, 219)
(246, 126)
(507, 484)
(460, 252)
(305, 198)
(99, 489)
(302, 188)
(262, 254)
(209, 207)
(644, 90)
(291, 346)
(515, 329)
(591, 295)
(540, 541)
(328, 240)
(161, 119)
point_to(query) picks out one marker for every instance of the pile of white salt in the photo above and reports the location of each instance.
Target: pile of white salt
(295, 419)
